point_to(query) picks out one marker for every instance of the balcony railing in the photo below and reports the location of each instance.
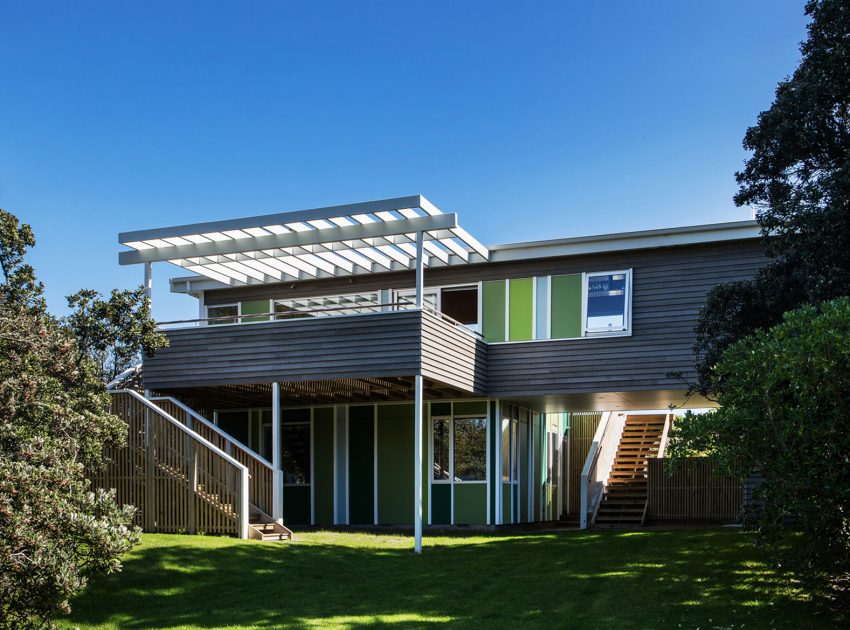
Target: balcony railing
(332, 312)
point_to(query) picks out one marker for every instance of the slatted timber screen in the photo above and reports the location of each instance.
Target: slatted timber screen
(694, 492)
(176, 482)
(259, 472)
(582, 429)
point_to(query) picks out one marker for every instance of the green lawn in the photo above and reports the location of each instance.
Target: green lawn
(609, 579)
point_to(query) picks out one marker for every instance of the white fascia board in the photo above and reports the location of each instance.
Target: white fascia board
(647, 239)
(278, 218)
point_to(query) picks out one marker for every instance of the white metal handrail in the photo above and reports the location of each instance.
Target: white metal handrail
(598, 464)
(243, 508)
(212, 427)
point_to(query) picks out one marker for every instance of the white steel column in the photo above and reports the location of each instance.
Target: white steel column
(417, 463)
(420, 269)
(148, 279)
(277, 473)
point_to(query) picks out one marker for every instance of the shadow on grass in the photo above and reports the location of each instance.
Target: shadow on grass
(653, 579)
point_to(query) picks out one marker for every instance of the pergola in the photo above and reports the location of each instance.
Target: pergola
(403, 233)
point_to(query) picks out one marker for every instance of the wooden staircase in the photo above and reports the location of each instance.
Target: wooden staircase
(624, 500)
(262, 527)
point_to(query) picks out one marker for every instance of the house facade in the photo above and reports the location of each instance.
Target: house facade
(392, 370)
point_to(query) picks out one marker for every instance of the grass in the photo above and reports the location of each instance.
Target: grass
(598, 579)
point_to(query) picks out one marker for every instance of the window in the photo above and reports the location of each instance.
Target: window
(323, 306)
(470, 450)
(407, 299)
(607, 302)
(223, 314)
(461, 304)
(295, 455)
(441, 449)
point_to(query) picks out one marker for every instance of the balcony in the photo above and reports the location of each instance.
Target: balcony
(370, 352)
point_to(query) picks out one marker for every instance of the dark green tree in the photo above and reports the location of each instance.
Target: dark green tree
(114, 333)
(785, 413)
(798, 180)
(55, 532)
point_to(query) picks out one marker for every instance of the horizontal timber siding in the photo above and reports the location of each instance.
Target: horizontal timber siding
(452, 356)
(357, 346)
(401, 343)
(668, 290)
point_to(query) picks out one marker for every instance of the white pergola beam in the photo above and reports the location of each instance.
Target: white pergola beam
(378, 229)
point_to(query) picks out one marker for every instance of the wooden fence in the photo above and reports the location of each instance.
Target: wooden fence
(260, 471)
(581, 432)
(178, 481)
(694, 492)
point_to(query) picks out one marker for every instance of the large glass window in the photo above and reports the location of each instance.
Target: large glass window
(441, 449)
(224, 314)
(295, 456)
(328, 305)
(461, 304)
(470, 449)
(607, 302)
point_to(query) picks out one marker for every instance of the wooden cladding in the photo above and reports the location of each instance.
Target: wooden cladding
(694, 492)
(582, 429)
(176, 482)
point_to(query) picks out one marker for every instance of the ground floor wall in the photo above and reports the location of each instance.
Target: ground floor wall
(485, 462)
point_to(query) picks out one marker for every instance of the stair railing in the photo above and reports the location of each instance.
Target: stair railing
(178, 480)
(665, 435)
(597, 465)
(260, 470)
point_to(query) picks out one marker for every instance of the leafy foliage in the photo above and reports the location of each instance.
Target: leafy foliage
(785, 413)
(55, 534)
(113, 333)
(20, 285)
(798, 180)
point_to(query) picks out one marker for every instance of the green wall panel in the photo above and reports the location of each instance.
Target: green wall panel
(260, 307)
(236, 424)
(323, 464)
(493, 310)
(566, 306)
(506, 503)
(395, 464)
(470, 503)
(296, 505)
(361, 464)
(441, 504)
(471, 408)
(521, 309)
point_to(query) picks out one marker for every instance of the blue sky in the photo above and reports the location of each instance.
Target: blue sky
(532, 120)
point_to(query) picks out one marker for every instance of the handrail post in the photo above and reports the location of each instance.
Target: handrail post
(150, 491)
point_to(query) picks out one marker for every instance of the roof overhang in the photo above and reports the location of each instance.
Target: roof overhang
(623, 241)
(335, 241)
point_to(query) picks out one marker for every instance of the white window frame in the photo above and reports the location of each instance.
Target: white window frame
(627, 315)
(207, 308)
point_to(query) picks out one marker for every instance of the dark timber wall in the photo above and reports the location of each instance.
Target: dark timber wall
(669, 287)
(401, 343)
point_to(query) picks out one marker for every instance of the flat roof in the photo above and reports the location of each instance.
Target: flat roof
(363, 238)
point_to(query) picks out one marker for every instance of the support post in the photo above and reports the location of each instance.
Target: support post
(148, 280)
(420, 269)
(277, 476)
(417, 463)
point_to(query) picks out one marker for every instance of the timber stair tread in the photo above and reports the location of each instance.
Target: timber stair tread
(624, 499)
(263, 528)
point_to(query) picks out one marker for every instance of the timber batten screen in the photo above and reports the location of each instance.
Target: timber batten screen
(336, 241)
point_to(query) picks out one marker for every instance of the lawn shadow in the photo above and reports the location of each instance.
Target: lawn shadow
(568, 579)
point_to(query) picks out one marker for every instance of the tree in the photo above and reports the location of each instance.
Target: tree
(55, 533)
(798, 180)
(113, 333)
(785, 413)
